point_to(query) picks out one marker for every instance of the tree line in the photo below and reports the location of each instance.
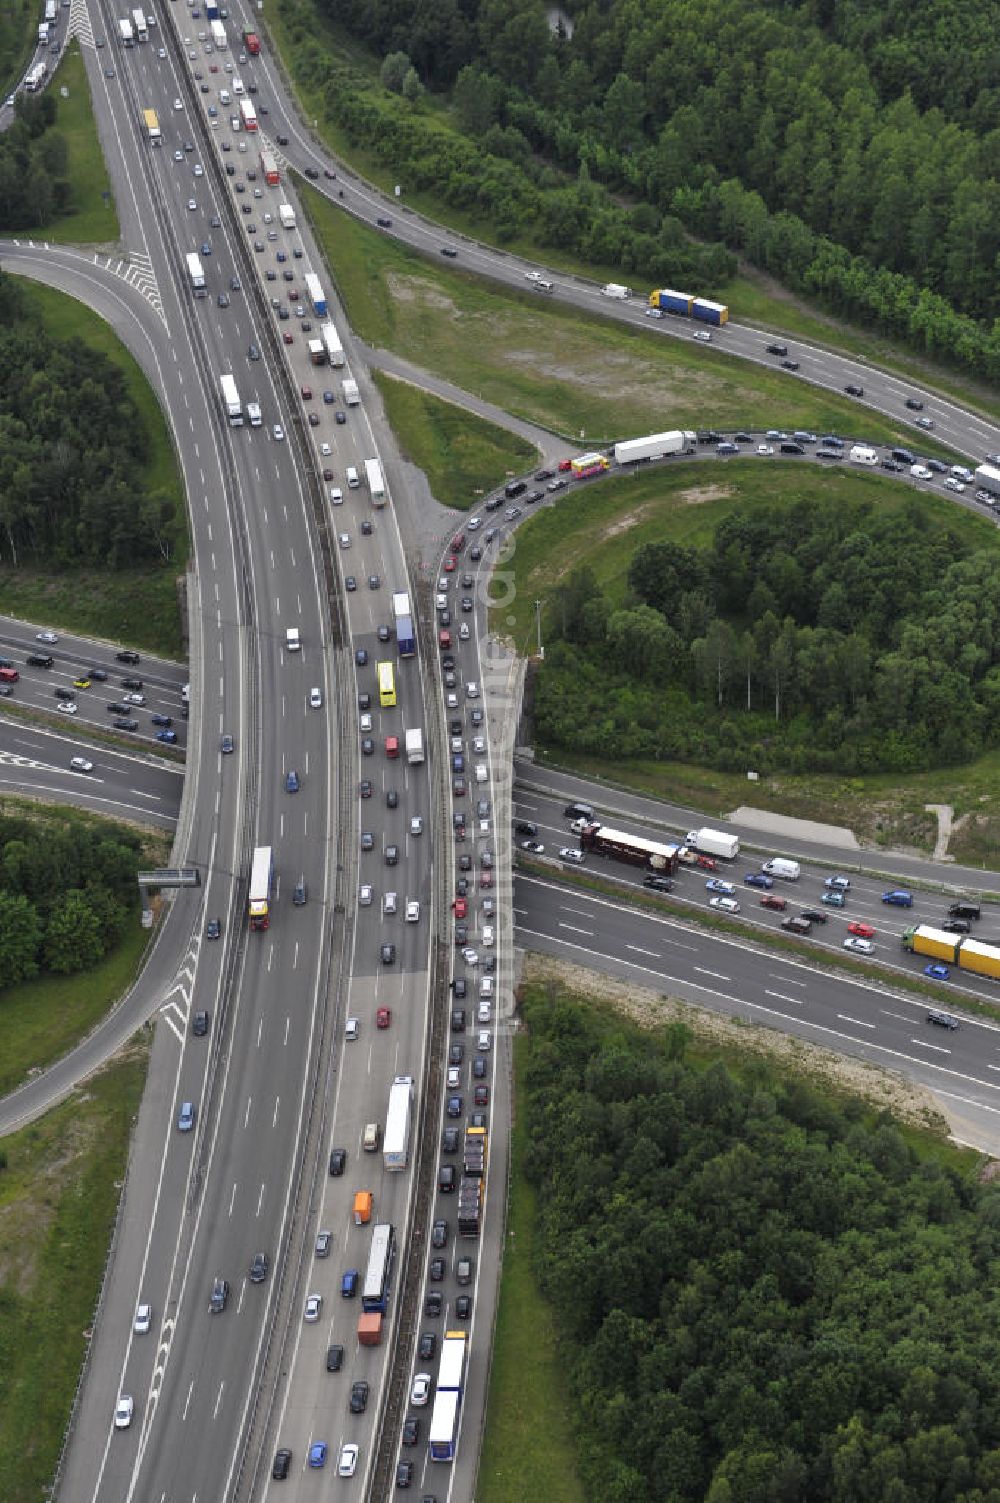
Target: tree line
(761, 1294)
(824, 143)
(34, 160)
(827, 635)
(73, 450)
(67, 890)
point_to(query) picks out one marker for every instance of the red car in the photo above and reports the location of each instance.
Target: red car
(707, 863)
(307, 392)
(458, 542)
(449, 564)
(383, 1017)
(771, 900)
(482, 1095)
(461, 908)
(486, 879)
(863, 931)
(288, 338)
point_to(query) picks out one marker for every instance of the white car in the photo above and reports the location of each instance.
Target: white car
(315, 699)
(862, 946)
(479, 745)
(412, 911)
(161, 53)
(472, 691)
(952, 484)
(463, 632)
(325, 450)
(199, 170)
(48, 637)
(81, 764)
(365, 895)
(471, 957)
(451, 701)
(178, 156)
(416, 825)
(421, 1389)
(336, 496)
(483, 1012)
(143, 1319)
(66, 707)
(704, 336)
(920, 472)
(351, 1030)
(314, 1304)
(178, 105)
(366, 722)
(570, 853)
(453, 1078)
(487, 936)
(134, 699)
(347, 1465)
(279, 432)
(345, 540)
(123, 1411)
(728, 905)
(473, 524)
(192, 206)
(765, 449)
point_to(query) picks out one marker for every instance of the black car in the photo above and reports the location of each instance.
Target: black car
(411, 1431)
(359, 1396)
(956, 926)
(404, 1469)
(384, 224)
(942, 1019)
(299, 894)
(533, 496)
(814, 915)
(854, 391)
(709, 436)
(334, 1358)
(456, 1054)
(427, 1346)
(439, 1234)
(463, 1306)
(199, 1024)
(893, 465)
(312, 173)
(658, 884)
(39, 660)
(213, 929)
(126, 725)
(914, 405)
(479, 1067)
(937, 466)
(135, 684)
(127, 657)
(450, 1140)
(258, 1268)
(446, 1178)
(282, 1464)
(338, 1160)
(97, 674)
(391, 798)
(437, 1269)
(790, 365)
(446, 250)
(964, 910)
(433, 1302)
(544, 474)
(458, 1020)
(777, 349)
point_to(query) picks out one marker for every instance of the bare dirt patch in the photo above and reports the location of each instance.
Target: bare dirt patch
(412, 290)
(628, 521)
(699, 494)
(907, 1102)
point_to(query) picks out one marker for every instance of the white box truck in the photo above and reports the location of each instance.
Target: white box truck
(616, 290)
(287, 216)
(714, 843)
(987, 478)
(656, 445)
(414, 746)
(351, 394)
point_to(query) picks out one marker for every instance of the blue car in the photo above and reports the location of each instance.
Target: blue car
(758, 879)
(716, 884)
(163, 720)
(291, 781)
(168, 736)
(899, 896)
(349, 1284)
(835, 898)
(937, 972)
(186, 1116)
(317, 1453)
(839, 883)
(454, 1106)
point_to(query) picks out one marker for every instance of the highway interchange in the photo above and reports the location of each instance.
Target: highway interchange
(275, 1082)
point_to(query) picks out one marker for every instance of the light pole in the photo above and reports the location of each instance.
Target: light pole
(538, 627)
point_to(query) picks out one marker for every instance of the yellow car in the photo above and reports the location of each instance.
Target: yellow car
(81, 683)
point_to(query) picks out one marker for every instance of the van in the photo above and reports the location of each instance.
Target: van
(237, 86)
(789, 447)
(362, 1207)
(371, 1138)
(903, 456)
(788, 871)
(482, 774)
(352, 478)
(253, 413)
(224, 97)
(486, 986)
(389, 903)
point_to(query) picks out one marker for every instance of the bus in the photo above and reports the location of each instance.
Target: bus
(196, 274)
(152, 124)
(231, 401)
(376, 485)
(261, 876)
(386, 686)
(448, 1397)
(249, 114)
(378, 1276)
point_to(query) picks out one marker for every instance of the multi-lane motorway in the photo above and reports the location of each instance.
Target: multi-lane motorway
(280, 1077)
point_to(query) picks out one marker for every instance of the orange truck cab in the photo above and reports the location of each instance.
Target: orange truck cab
(362, 1207)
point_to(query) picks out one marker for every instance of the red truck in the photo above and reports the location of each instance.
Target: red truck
(252, 42)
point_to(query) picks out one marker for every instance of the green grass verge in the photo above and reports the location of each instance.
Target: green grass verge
(575, 374)
(461, 454)
(528, 1448)
(42, 1019)
(58, 1198)
(18, 40)
(138, 606)
(752, 297)
(92, 217)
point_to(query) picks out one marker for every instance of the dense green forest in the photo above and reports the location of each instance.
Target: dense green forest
(67, 890)
(34, 186)
(850, 150)
(72, 451)
(762, 1296)
(827, 635)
